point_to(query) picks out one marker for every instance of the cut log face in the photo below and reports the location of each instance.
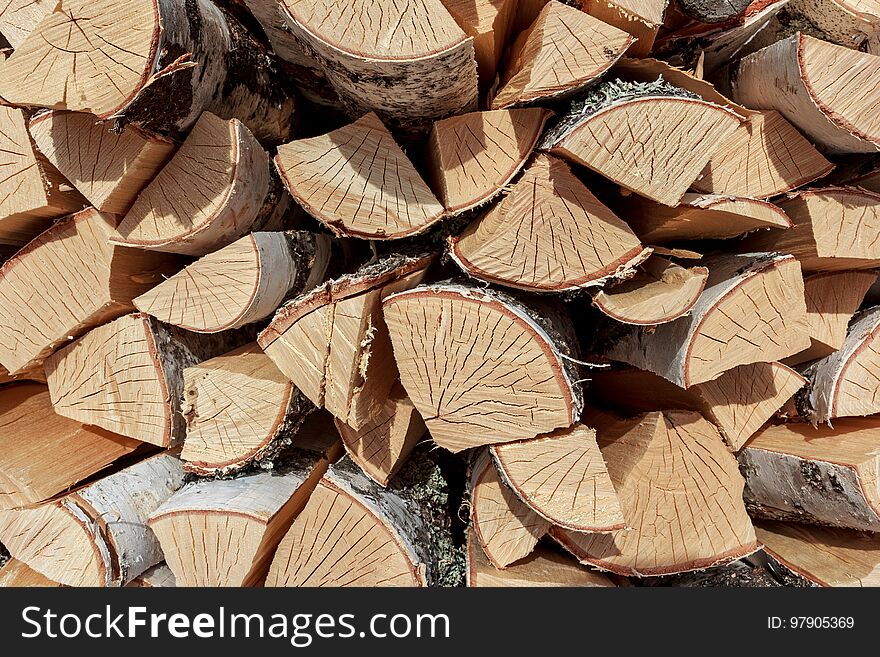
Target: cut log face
(764, 157)
(843, 384)
(824, 475)
(506, 380)
(211, 193)
(700, 216)
(224, 532)
(33, 192)
(488, 22)
(550, 234)
(823, 556)
(17, 574)
(834, 228)
(506, 528)
(738, 402)
(562, 478)
(752, 310)
(98, 534)
(18, 18)
(826, 90)
(613, 141)
(239, 409)
(383, 444)
(679, 521)
(659, 292)
(157, 577)
(409, 63)
(56, 458)
(832, 299)
(241, 283)
(564, 50)
(342, 179)
(542, 568)
(472, 157)
(108, 169)
(354, 533)
(640, 18)
(333, 343)
(100, 281)
(127, 377)
(139, 63)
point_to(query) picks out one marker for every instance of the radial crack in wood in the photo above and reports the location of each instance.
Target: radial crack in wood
(96, 535)
(564, 50)
(549, 234)
(683, 518)
(68, 280)
(752, 310)
(824, 475)
(481, 367)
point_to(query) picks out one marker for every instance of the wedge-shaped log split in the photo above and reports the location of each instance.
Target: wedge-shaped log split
(824, 475)
(826, 90)
(481, 367)
(76, 260)
(359, 182)
(679, 521)
(239, 409)
(98, 534)
(642, 19)
(752, 310)
(18, 18)
(489, 23)
(550, 234)
(18, 575)
(333, 343)
(564, 50)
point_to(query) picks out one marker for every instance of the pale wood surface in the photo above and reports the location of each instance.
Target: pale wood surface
(17, 574)
(159, 576)
(489, 23)
(18, 18)
(640, 18)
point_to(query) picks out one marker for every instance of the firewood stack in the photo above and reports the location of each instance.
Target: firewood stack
(484, 292)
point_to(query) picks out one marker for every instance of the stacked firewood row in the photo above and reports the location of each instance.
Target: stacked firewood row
(495, 292)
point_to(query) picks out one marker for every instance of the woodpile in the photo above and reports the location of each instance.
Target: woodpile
(479, 293)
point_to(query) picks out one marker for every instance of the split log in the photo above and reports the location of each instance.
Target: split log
(489, 23)
(157, 577)
(843, 384)
(824, 475)
(822, 556)
(158, 65)
(18, 18)
(848, 23)
(410, 63)
(738, 402)
(333, 343)
(224, 532)
(17, 574)
(826, 90)
(752, 310)
(654, 145)
(549, 234)
(832, 299)
(712, 11)
(241, 283)
(33, 192)
(481, 367)
(355, 533)
(239, 409)
(109, 169)
(869, 181)
(542, 568)
(66, 281)
(660, 291)
(382, 445)
(561, 476)
(679, 522)
(834, 228)
(357, 181)
(506, 528)
(563, 51)
(764, 157)
(640, 18)
(37, 465)
(127, 376)
(217, 188)
(473, 157)
(98, 534)
(699, 216)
